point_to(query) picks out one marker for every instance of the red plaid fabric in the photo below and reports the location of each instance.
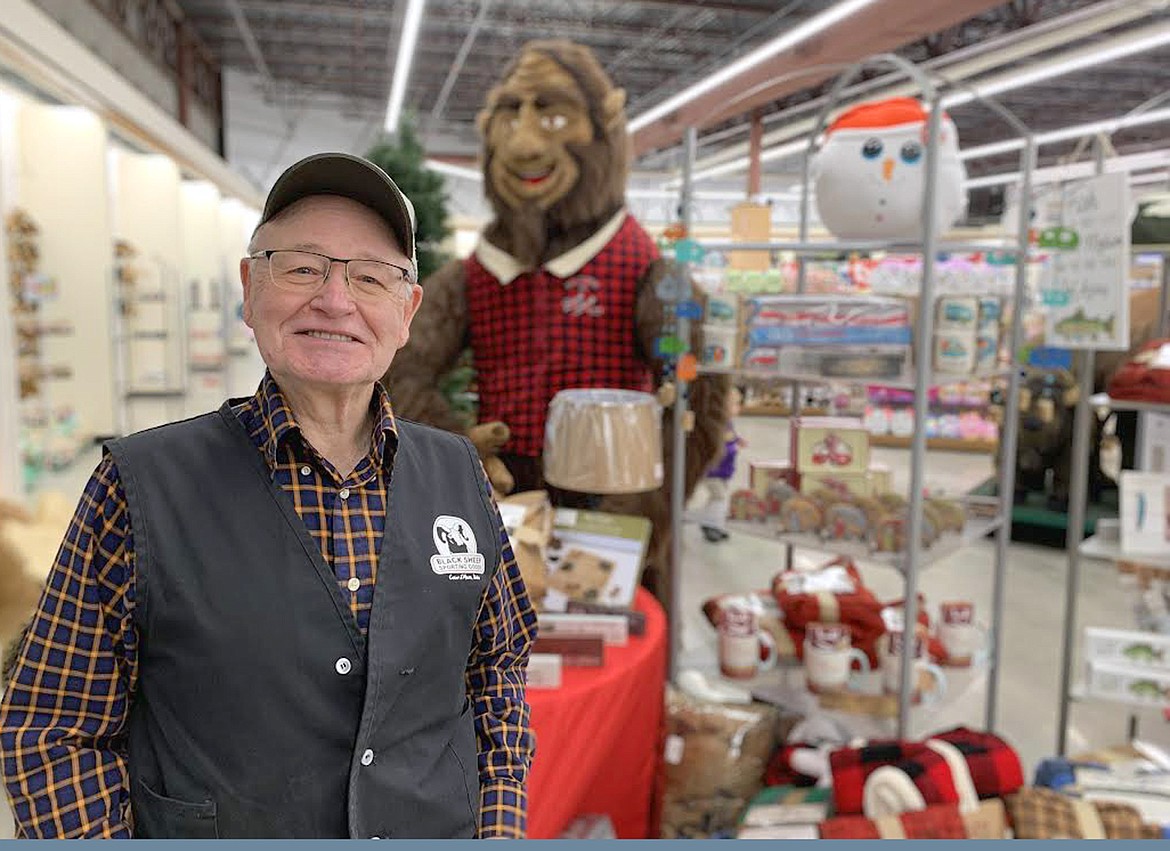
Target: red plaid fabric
(938, 822)
(851, 767)
(994, 765)
(541, 334)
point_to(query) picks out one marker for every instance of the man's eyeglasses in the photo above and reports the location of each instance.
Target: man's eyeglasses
(306, 271)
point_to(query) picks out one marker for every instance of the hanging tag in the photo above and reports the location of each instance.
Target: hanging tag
(688, 251)
(688, 368)
(689, 310)
(669, 345)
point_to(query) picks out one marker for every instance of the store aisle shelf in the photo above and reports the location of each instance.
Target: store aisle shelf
(942, 444)
(1104, 400)
(861, 247)
(1096, 547)
(906, 382)
(977, 528)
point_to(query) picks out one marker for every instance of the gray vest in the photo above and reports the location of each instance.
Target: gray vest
(261, 711)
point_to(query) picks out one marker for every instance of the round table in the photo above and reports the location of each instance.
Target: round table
(598, 737)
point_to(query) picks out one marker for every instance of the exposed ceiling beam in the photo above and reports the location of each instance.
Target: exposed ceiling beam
(457, 65)
(241, 23)
(883, 26)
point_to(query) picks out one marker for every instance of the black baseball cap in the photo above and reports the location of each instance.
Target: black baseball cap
(351, 177)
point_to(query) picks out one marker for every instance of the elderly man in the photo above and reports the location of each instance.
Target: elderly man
(297, 616)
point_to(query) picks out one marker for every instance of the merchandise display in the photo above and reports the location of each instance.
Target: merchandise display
(924, 330)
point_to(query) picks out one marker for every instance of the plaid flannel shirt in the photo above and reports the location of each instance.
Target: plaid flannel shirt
(63, 717)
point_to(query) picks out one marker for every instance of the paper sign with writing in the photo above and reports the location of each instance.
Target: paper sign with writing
(1087, 296)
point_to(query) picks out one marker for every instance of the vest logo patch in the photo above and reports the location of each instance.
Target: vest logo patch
(457, 557)
(582, 299)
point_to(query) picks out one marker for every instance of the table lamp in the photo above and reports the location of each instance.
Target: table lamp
(601, 441)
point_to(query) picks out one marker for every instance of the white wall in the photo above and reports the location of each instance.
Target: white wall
(62, 163)
(204, 287)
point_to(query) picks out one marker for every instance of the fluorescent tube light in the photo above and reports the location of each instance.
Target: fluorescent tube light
(1072, 171)
(455, 170)
(1073, 61)
(791, 38)
(410, 26)
(1064, 134)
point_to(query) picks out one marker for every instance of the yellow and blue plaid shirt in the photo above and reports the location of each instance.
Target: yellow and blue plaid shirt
(63, 718)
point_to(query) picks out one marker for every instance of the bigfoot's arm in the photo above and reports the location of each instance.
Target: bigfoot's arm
(437, 337)
(706, 396)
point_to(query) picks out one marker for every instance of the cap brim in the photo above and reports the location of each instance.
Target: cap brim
(350, 177)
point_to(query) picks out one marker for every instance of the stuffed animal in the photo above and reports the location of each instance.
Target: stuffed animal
(870, 174)
(562, 289)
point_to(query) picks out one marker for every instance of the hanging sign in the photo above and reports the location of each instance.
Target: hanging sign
(1087, 295)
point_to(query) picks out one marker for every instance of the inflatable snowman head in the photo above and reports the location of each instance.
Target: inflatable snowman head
(870, 173)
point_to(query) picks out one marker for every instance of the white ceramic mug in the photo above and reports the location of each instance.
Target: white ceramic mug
(744, 648)
(830, 669)
(961, 636)
(891, 663)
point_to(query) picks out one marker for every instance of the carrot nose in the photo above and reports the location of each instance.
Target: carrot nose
(887, 169)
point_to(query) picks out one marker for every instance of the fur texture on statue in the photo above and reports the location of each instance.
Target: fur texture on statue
(556, 161)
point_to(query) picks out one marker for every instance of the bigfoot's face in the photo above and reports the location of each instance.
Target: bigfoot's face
(539, 113)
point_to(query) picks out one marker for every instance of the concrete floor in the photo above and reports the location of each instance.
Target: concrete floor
(1030, 678)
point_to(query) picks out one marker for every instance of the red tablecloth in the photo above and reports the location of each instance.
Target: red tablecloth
(598, 737)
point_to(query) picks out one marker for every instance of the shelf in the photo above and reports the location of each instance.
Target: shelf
(1103, 400)
(1081, 694)
(848, 247)
(781, 411)
(977, 528)
(1095, 547)
(942, 444)
(902, 383)
(160, 393)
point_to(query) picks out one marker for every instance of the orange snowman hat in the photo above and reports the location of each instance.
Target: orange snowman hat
(882, 113)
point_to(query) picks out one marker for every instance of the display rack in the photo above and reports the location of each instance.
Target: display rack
(1095, 547)
(916, 557)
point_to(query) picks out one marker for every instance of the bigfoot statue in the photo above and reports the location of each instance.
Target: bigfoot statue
(559, 293)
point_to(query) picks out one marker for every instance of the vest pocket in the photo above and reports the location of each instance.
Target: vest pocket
(161, 817)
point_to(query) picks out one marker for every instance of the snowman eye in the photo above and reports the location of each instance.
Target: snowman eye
(872, 149)
(911, 153)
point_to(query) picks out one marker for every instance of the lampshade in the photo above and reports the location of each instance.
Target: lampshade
(603, 441)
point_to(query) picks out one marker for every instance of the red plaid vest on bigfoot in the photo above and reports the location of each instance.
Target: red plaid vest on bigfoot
(569, 324)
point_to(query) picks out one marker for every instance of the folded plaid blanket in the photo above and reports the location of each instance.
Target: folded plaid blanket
(941, 821)
(1044, 814)
(913, 774)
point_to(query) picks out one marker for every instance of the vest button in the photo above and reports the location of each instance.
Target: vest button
(343, 493)
(367, 757)
(343, 666)
(354, 584)
(305, 470)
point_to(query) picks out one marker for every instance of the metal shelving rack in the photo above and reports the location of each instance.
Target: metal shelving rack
(914, 559)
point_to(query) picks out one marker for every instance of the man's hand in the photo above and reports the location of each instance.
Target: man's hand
(488, 439)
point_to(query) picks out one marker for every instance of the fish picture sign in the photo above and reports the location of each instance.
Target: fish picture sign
(1086, 296)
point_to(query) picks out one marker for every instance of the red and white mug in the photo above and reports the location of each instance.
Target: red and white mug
(744, 648)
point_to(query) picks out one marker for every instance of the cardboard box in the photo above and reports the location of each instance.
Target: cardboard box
(614, 630)
(595, 557)
(544, 670)
(763, 473)
(576, 651)
(786, 320)
(720, 346)
(1128, 648)
(830, 445)
(858, 484)
(1131, 684)
(750, 223)
(722, 310)
(872, 362)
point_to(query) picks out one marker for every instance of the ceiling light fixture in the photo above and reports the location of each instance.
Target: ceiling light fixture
(1076, 60)
(1074, 171)
(410, 27)
(1064, 134)
(1139, 41)
(833, 15)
